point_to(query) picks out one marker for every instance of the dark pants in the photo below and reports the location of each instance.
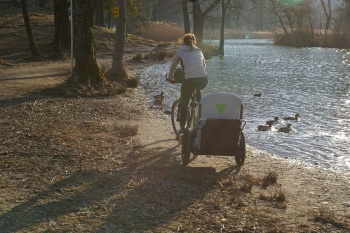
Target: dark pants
(187, 88)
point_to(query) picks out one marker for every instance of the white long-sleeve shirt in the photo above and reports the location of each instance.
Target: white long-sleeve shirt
(193, 61)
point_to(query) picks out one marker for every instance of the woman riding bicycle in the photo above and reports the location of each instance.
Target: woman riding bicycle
(192, 61)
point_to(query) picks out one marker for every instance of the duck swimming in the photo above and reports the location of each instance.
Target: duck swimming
(292, 118)
(265, 127)
(286, 129)
(274, 121)
(257, 94)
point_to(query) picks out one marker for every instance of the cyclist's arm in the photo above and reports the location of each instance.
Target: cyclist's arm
(174, 61)
(203, 60)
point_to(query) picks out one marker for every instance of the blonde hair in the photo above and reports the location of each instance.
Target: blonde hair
(189, 39)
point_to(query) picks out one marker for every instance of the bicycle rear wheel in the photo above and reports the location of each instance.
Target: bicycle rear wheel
(240, 156)
(175, 117)
(186, 147)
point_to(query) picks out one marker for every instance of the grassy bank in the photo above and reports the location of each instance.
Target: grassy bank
(318, 39)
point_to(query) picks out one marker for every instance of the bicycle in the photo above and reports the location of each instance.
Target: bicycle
(192, 114)
(191, 121)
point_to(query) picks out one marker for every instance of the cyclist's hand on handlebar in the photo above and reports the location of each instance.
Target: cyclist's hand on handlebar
(171, 80)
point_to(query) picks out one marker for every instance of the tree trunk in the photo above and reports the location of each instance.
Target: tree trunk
(347, 32)
(32, 45)
(42, 3)
(118, 71)
(109, 20)
(187, 26)
(61, 19)
(86, 67)
(65, 37)
(198, 18)
(99, 14)
(328, 18)
(309, 13)
(197, 22)
(222, 28)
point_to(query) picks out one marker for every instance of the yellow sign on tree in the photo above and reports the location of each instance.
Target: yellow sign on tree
(116, 11)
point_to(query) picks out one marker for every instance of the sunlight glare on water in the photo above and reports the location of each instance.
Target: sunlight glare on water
(290, 2)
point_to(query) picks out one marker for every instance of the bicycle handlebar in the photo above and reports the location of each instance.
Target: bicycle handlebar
(174, 81)
(166, 78)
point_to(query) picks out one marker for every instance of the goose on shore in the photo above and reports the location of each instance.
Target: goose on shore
(286, 129)
(265, 127)
(274, 121)
(292, 118)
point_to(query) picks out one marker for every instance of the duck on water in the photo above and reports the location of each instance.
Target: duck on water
(265, 127)
(292, 118)
(286, 129)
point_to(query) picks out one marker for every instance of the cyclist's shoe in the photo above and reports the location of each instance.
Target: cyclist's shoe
(181, 132)
(179, 136)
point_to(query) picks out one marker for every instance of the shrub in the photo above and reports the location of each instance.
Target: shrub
(137, 57)
(209, 50)
(271, 178)
(149, 56)
(161, 54)
(132, 82)
(126, 129)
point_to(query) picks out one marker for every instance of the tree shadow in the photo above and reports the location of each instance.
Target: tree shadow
(66, 89)
(49, 205)
(165, 189)
(35, 77)
(149, 191)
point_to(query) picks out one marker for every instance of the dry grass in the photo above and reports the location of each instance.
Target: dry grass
(326, 214)
(162, 31)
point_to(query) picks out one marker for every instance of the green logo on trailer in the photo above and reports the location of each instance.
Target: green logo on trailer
(221, 107)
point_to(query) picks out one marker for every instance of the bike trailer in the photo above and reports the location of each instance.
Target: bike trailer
(220, 125)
